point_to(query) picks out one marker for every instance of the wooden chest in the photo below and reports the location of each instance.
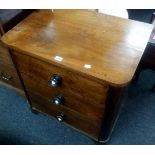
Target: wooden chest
(77, 64)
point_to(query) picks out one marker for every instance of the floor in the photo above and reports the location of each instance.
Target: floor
(136, 124)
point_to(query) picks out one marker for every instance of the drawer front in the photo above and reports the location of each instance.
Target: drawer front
(9, 75)
(88, 126)
(89, 90)
(70, 99)
(5, 55)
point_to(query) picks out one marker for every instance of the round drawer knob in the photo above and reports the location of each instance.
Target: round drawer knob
(55, 81)
(60, 117)
(58, 100)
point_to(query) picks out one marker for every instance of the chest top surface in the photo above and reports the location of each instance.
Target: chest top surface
(101, 46)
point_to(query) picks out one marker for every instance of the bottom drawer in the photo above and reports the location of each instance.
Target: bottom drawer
(9, 75)
(72, 118)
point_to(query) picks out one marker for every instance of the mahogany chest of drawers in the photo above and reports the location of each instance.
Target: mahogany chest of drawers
(76, 65)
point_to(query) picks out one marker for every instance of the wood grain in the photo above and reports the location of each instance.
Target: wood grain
(72, 100)
(102, 47)
(87, 90)
(77, 121)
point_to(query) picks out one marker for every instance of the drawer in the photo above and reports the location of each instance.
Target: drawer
(70, 99)
(5, 55)
(76, 120)
(9, 75)
(90, 91)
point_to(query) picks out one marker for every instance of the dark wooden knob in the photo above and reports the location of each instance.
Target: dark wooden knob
(55, 81)
(60, 117)
(58, 100)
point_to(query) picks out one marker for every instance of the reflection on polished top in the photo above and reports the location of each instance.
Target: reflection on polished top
(99, 46)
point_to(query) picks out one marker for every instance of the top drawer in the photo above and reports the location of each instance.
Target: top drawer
(91, 91)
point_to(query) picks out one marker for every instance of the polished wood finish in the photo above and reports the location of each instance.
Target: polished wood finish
(95, 55)
(115, 99)
(72, 81)
(72, 100)
(101, 46)
(78, 121)
(81, 100)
